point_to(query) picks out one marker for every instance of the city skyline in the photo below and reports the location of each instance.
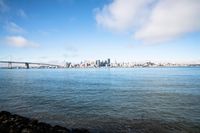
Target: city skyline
(92, 64)
(122, 30)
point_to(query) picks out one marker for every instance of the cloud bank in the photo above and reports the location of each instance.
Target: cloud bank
(20, 41)
(151, 21)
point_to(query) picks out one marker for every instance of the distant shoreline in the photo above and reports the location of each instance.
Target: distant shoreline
(193, 66)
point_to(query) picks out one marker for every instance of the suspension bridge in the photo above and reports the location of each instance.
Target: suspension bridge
(27, 64)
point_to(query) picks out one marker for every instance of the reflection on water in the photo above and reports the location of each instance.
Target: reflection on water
(118, 100)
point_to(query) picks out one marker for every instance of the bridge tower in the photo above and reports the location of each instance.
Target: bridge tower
(9, 65)
(27, 65)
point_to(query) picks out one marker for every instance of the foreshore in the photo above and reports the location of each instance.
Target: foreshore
(12, 123)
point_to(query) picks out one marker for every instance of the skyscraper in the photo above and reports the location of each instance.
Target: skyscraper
(108, 62)
(98, 63)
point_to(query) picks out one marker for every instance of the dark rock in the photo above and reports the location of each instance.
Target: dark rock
(59, 129)
(27, 130)
(14, 129)
(18, 124)
(4, 116)
(44, 127)
(5, 113)
(4, 128)
(33, 121)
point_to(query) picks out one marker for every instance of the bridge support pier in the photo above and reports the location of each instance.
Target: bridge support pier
(9, 65)
(27, 65)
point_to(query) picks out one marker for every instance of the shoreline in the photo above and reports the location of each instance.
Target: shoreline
(35, 68)
(12, 123)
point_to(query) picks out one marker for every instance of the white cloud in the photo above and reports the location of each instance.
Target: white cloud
(22, 13)
(14, 28)
(3, 6)
(120, 15)
(151, 20)
(20, 41)
(171, 19)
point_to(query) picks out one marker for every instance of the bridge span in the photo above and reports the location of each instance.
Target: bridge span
(27, 64)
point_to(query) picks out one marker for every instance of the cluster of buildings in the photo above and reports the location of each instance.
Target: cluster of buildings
(102, 63)
(89, 64)
(107, 63)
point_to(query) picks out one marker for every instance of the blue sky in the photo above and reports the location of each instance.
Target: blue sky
(77, 30)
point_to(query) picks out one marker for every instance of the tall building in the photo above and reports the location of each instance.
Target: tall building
(108, 62)
(68, 64)
(98, 62)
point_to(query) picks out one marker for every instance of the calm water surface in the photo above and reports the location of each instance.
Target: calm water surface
(104, 99)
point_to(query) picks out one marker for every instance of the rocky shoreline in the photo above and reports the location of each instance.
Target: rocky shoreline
(12, 123)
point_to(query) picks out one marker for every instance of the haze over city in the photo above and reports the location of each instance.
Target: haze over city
(56, 31)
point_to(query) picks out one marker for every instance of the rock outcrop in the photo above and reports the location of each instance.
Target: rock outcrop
(12, 123)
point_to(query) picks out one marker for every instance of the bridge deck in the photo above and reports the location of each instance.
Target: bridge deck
(18, 62)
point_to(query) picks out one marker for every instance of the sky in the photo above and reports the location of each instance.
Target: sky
(55, 31)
